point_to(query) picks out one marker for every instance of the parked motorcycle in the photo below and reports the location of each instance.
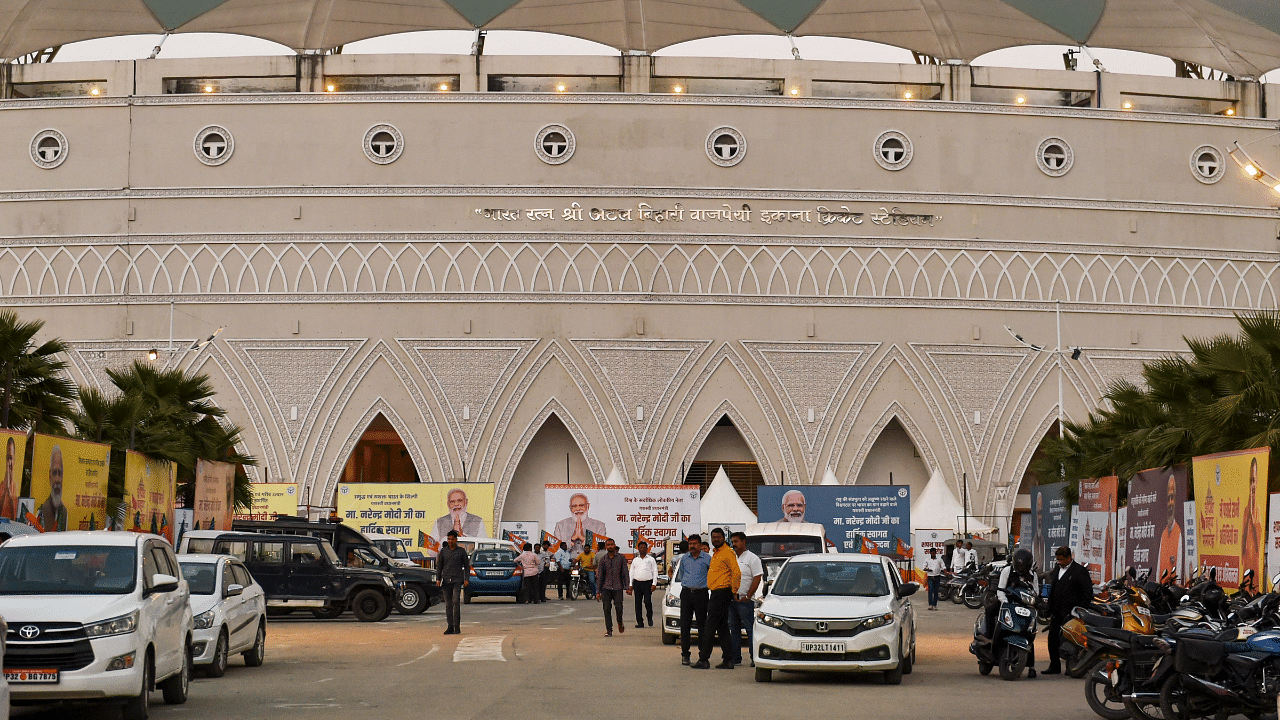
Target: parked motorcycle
(1008, 644)
(1214, 678)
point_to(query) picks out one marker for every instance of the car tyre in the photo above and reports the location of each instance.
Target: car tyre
(413, 601)
(466, 596)
(668, 639)
(138, 707)
(218, 667)
(909, 660)
(176, 688)
(328, 612)
(894, 676)
(370, 606)
(254, 656)
(764, 675)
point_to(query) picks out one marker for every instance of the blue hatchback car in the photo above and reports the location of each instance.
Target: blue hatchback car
(494, 572)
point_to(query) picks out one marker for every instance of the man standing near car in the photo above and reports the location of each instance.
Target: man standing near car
(933, 567)
(611, 573)
(1070, 587)
(693, 593)
(529, 567)
(453, 572)
(644, 572)
(544, 577)
(723, 580)
(562, 561)
(743, 610)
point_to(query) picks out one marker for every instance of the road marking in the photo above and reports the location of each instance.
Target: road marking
(423, 656)
(481, 648)
(322, 681)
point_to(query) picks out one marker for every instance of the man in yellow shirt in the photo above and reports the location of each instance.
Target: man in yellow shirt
(587, 564)
(723, 578)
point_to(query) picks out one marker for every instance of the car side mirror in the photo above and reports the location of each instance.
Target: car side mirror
(161, 583)
(233, 590)
(908, 589)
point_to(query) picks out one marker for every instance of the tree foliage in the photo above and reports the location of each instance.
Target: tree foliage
(1224, 395)
(34, 391)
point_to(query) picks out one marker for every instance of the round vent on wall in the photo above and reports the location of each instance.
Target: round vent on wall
(48, 149)
(893, 150)
(554, 144)
(383, 144)
(214, 145)
(1207, 165)
(1054, 157)
(726, 146)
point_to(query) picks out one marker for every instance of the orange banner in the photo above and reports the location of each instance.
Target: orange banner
(1231, 512)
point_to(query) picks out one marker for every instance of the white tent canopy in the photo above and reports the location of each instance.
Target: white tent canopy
(829, 478)
(721, 504)
(615, 477)
(937, 508)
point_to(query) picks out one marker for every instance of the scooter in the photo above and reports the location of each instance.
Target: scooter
(1008, 644)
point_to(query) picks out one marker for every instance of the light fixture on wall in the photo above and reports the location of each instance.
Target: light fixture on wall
(1251, 166)
(152, 354)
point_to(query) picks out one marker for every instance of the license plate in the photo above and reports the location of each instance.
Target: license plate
(825, 647)
(31, 676)
(1024, 612)
(494, 574)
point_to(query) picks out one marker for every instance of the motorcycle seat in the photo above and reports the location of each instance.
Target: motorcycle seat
(1160, 619)
(1099, 621)
(1116, 633)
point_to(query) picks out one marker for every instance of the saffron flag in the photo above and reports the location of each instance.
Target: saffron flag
(515, 537)
(869, 547)
(428, 542)
(901, 548)
(548, 537)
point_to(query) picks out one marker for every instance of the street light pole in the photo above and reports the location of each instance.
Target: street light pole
(1057, 312)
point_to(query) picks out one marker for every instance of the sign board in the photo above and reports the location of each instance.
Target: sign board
(215, 495)
(577, 514)
(1273, 544)
(15, 455)
(270, 500)
(150, 486)
(1098, 526)
(1155, 537)
(69, 484)
(1050, 521)
(1192, 539)
(521, 532)
(1231, 497)
(421, 514)
(878, 513)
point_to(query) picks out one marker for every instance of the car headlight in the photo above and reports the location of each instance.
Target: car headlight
(672, 600)
(204, 620)
(876, 622)
(115, 626)
(771, 621)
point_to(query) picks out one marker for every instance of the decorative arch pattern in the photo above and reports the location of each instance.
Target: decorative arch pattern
(379, 406)
(729, 410)
(552, 407)
(898, 412)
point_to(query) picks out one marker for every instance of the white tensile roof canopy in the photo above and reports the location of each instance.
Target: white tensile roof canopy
(937, 509)
(1241, 37)
(721, 504)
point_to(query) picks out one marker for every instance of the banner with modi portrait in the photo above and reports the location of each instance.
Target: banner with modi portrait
(69, 484)
(590, 514)
(421, 514)
(1157, 524)
(149, 491)
(1231, 512)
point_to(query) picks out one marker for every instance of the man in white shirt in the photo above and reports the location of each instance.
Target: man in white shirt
(933, 567)
(742, 610)
(961, 558)
(644, 572)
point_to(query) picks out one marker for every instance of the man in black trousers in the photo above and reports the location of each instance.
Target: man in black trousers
(453, 572)
(1070, 587)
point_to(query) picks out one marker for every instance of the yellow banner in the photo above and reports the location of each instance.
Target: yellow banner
(1231, 513)
(421, 514)
(215, 488)
(69, 484)
(15, 454)
(270, 500)
(149, 492)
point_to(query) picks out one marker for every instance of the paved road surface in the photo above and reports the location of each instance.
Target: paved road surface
(552, 661)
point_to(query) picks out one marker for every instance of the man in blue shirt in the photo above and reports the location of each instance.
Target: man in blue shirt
(693, 593)
(562, 561)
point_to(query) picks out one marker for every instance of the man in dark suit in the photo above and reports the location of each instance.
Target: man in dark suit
(1069, 587)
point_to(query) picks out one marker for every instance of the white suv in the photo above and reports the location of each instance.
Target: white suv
(95, 615)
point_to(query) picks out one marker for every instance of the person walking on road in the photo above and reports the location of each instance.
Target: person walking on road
(611, 572)
(933, 567)
(743, 610)
(693, 593)
(644, 572)
(587, 564)
(723, 580)
(1070, 587)
(453, 572)
(529, 566)
(561, 561)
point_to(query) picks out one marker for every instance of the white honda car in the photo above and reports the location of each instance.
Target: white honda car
(230, 612)
(837, 613)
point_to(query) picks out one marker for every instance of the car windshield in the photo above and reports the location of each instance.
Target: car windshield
(68, 570)
(493, 556)
(202, 577)
(767, 546)
(393, 548)
(832, 578)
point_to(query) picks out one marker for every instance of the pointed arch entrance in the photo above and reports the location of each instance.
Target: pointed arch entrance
(725, 446)
(1030, 478)
(380, 455)
(894, 459)
(552, 456)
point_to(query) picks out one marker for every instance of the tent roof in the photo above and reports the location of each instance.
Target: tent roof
(721, 503)
(937, 508)
(615, 478)
(1238, 36)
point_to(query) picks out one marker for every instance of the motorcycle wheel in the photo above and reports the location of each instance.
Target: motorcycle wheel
(957, 595)
(1012, 663)
(1144, 710)
(1097, 690)
(972, 597)
(1172, 705)
(984, 668)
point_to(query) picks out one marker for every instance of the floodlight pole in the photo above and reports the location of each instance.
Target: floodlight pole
(1057, 312)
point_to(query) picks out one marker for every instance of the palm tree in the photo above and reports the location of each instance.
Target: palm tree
(34, 393)
(1225, 396)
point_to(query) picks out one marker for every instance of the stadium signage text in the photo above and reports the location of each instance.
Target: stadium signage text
(644, 212)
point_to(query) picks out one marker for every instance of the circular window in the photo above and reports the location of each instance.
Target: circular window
(726, 146)
(48, 149)
(1054, 157)
(893, 150)
(1207, 165)
(214, 145)
(383, 144)
(554, 144)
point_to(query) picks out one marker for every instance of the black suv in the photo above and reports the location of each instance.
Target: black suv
(303, 572)
(418, 591)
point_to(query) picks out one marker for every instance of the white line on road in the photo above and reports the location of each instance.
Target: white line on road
(423, 656)
(481, 648)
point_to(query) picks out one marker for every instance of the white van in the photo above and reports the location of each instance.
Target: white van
(95, 615)
(775, 542)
